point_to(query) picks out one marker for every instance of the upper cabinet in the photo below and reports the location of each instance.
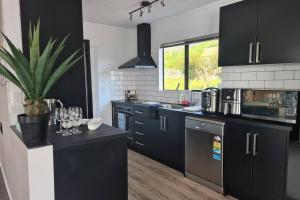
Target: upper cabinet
(259, 32)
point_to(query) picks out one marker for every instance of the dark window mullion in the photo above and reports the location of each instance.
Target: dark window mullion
(163, 65)
(186, 67)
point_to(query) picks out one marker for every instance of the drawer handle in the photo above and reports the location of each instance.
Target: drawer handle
(138, 122)
(139, 112)
(139, 133)
(140, 144)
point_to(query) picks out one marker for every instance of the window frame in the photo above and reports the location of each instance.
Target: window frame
(186, 44)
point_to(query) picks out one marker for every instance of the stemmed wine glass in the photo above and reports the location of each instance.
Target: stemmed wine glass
(66, 122)
(77, 118)
(59, 112)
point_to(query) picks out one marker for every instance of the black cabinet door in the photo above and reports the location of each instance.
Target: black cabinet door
(269, 163)
(154, 140)
(237, 162)
(174, 139)
(278, 31)
(238, 24)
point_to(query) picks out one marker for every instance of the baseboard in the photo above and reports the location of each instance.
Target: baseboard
(7, 188)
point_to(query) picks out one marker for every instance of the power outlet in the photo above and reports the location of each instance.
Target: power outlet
(1, 128)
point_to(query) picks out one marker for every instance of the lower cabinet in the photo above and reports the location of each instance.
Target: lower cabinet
(167, 139)
(255, 160)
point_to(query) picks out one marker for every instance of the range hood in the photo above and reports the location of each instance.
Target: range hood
(144, 58)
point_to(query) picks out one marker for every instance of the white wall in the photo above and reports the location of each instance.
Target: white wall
(111, 46)
(195, 23)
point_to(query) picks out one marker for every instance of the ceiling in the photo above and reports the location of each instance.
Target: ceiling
(115, 12)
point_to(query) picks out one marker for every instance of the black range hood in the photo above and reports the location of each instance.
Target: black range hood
(144, 58)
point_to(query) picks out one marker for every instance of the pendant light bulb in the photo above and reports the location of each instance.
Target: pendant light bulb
(162, 2)
(141, 13)
(131, 17)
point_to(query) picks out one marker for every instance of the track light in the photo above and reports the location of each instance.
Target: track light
(149, 8)
(147, 5)
(141, 13)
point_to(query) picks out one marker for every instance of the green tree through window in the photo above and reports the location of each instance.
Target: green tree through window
(199, 59)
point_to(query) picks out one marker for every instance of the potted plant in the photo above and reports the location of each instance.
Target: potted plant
(35, 77)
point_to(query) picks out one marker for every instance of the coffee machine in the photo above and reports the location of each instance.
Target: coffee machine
(230, 101)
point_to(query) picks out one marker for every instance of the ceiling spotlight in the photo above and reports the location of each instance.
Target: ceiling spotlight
(141, 13)
(149, 8)
(162, 2)
(131, 17)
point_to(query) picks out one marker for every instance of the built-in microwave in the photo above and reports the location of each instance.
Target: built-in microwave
(273, 105)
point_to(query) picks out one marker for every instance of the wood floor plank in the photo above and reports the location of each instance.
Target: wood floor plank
(150, 180)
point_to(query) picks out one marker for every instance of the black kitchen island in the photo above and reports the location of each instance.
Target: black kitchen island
(92, 165)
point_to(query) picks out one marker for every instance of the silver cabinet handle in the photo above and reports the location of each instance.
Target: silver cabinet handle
(139, 133)
(161, 123)
(138, 143)
(139, 112)
(251, 49)
(258, 52)
(165, 124)
(248, 143)
(138, 122)
(255, 136)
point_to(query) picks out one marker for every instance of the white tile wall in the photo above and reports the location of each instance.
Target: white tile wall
(146, 82)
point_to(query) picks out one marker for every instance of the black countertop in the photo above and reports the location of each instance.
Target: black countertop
(217, 116)
(58, 141)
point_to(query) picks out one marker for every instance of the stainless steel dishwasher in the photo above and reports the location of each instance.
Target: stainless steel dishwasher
(204, 152)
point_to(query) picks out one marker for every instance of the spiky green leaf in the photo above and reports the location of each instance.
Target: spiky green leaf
(65, 66)
(34, 48)
(41, 69)
(53, 59)
(23, 75)
(7, 74)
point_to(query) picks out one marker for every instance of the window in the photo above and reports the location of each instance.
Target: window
(191, 65)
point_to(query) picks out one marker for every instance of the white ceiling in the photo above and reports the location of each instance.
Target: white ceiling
(115, 12)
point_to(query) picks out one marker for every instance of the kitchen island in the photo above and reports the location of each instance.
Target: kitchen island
(92, 165)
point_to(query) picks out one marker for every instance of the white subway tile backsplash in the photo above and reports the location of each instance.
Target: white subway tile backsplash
(146, 82)
(265, 75)
(297, 75)
(292, 84)
(278, 84)
(257, 84)
(292, 67)
(234, 76)
(241, 84)
(227, 84)
(284, 75)
(248, 76)
(279, 67)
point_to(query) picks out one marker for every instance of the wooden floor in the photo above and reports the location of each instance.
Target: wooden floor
(3, 191)
(150, 180)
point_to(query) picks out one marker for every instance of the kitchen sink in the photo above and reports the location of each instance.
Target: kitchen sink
(173, 106)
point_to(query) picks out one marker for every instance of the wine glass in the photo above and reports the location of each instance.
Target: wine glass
(66, 123)
(72, 117)
(59, 117)
(77, 118)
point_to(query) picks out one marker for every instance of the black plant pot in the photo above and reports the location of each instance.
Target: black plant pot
(34, 129)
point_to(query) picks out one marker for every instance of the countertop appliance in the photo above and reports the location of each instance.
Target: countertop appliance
(230, 101)
(204, 151)
(130, 95)
(124, 120)
(273, 105)
(210, 100)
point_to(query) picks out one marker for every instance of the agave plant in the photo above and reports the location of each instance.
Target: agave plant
(35, 76)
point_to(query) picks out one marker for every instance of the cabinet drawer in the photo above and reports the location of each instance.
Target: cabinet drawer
(140, 111)
(140, 123)
(139, 136)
